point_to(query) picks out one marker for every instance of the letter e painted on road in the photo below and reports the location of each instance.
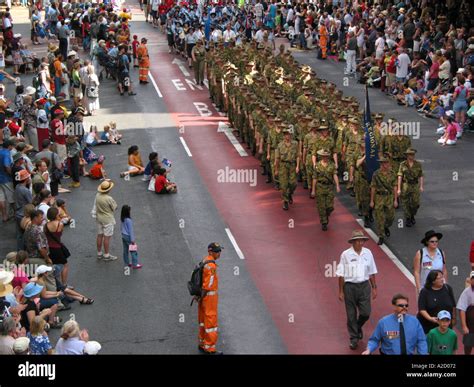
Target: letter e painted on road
(178, 84)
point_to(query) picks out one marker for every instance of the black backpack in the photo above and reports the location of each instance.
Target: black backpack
(195, 283)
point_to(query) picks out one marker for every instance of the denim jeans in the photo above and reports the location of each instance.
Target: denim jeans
(57, 86)
(126, 242)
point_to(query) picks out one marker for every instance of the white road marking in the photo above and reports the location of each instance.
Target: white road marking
(389, 253)
(181, 66)
(234, 243)
(155, 85)
(186, 148)
(223, 127)
(178, 84)
(202, 109)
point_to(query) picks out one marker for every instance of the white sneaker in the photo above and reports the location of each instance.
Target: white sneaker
(100, 256)
(109, 258)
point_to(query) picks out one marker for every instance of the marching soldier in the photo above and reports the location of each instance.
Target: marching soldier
(410, 185)
(274, 137)
(352, 138)
(287, 166)
(383, 198)
(325, 178)
(361, 183)
(198, 54)
(323, 141)
(308, 145)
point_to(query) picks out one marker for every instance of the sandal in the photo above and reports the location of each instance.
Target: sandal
(55, 325)
(86, 301)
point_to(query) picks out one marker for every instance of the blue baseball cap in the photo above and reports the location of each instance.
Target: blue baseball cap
(32, 289)
(444, 314)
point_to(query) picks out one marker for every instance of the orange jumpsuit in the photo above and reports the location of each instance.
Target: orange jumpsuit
(207, 307)
(143, 63)
(323, 40)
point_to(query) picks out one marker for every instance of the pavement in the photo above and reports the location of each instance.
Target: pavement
(278, 292)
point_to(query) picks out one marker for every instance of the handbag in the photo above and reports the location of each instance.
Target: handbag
(133, 247)
(64, 249)
(56, 174)
(92, 91)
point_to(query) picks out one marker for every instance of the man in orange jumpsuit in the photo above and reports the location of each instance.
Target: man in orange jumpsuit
(207, 307)
(143, 62)
(323, 39)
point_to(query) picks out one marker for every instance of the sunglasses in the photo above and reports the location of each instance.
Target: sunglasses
(402, 305)
(434, 241)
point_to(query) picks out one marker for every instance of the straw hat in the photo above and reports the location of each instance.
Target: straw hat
(105, 186)
(357, 235)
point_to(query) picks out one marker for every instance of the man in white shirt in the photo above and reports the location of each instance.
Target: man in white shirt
(259, 35)
(403, 63)
(259, 11)
(379, 46)
(356, 272)
(229, 34)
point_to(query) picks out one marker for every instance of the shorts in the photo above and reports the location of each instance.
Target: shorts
(48, 302)
(77, 92)
(105, 229)
(459, 107)
(6, 193)
(170, 40)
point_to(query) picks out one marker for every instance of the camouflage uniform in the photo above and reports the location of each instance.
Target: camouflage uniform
(384, 212)
(287, 156)
(324, 176)
(361, 184)
(410, 195)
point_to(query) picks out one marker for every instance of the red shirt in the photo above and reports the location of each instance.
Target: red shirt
(57, 131)
(434, 70)
(135, 44)
(451, 129)
(160, 183)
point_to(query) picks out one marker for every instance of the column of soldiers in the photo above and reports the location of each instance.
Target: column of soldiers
(302, 129)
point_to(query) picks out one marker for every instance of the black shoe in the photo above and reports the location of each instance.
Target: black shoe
(413, 221)
(408, 222)
(291, 199)
(285, 206)
(366, 222)
(277, 186)
(354, 343)
(324, 227)
(359, 213)
(305, 185)
(352, 194)
(132, 93)
(387, 232)
(381, 241)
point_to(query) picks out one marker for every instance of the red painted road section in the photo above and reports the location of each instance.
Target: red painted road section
(288, 265)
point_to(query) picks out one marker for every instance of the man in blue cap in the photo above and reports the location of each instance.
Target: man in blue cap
(208, 302)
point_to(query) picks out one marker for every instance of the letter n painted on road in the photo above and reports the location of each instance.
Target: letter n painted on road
(203, 109)
(178, 84)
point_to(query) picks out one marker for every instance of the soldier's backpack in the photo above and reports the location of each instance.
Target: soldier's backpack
(195, 283)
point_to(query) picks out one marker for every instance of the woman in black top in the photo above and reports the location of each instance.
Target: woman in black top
(435, 297)
(30, 292)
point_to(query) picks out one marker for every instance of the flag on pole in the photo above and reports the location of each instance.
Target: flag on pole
(371, 151)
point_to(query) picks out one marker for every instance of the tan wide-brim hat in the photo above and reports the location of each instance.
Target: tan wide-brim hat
(6, 277)
(356, 234)
(105, 186)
